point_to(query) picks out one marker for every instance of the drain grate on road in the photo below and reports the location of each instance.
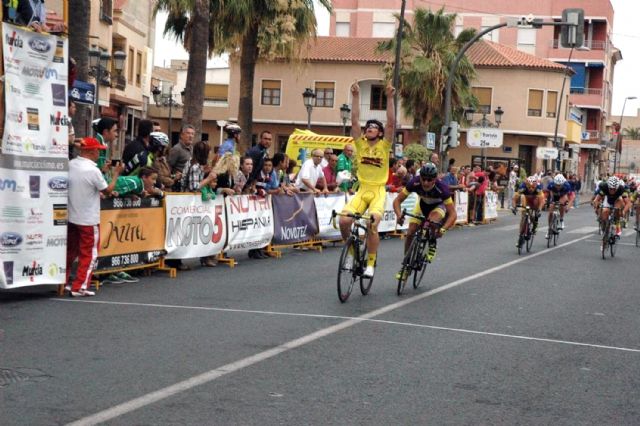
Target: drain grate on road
(10, 376)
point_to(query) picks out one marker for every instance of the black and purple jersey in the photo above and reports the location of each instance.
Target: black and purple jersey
(438, 195)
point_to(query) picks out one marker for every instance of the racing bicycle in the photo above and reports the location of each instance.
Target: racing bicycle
(554, 224)
(609, 236)
(356, 244)
(415, 260)
(527, 223)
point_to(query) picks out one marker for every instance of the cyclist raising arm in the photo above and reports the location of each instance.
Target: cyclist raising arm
(435, 204)
(372, 156)
(612, 193)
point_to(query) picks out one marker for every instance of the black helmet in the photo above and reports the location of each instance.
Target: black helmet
(429, 170)
(158, 141)
(376, 123)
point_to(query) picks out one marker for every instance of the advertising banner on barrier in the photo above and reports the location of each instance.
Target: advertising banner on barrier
(294, 218)
(131, 232)
(388, 222)
(490, 205)
(249, 222)
(324, 207)
(195, 228)
(462, 206)
(34, 159)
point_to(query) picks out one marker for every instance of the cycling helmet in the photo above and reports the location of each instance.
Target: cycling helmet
(158, 141)
(532, 180)
(232, 129)
(612, 182)
(429, 170)
(374, 122)
(559, 180)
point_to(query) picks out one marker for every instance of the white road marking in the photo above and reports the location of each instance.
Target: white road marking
(628, 232)
(583, 230)
(211, 375)
(508, 227)
(618, 243)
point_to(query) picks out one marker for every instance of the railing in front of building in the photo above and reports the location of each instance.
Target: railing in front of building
(367, 113)
(585, 91)
(588, 44)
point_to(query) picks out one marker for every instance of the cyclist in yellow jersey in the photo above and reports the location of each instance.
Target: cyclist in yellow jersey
(372, 157)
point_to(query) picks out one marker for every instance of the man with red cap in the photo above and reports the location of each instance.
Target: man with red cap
(83, 233)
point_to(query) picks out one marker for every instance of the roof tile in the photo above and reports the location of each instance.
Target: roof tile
(363, 50)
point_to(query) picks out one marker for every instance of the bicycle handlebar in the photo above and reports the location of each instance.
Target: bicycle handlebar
(419, 217)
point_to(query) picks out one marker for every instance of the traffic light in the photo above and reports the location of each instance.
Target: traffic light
(572, 32)
(451, 135)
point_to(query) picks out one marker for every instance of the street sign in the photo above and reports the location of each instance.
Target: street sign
(484, 137)
(431, 140)
(544, 153)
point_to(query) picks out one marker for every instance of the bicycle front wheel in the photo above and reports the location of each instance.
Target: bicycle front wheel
(365, 282)
(419, 265)
(407, 262)
(346, 273)
(551, 231)
(605, 240)
(530, 233)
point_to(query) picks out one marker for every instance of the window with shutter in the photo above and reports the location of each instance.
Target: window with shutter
(484, 95)
(271, 90)
(325, 94)
(535, 103)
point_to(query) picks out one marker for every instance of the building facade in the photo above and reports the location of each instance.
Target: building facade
(593, 64)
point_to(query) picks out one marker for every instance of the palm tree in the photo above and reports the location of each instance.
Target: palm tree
(189, 22)
(80, 14)
(428, 48)
(267, 29)
(632, 133)
(260, 28)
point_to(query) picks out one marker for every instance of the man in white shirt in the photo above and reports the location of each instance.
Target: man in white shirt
(310, 173)
(512, 185)
(83, 232)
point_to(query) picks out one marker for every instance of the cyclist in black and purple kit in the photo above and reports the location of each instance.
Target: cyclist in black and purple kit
(435, 204)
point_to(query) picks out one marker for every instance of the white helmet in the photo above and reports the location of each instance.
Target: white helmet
(532, 180)
(613, 182)
(559, 179)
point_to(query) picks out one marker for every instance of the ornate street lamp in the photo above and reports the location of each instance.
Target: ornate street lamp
(309, 99)
(345, 111)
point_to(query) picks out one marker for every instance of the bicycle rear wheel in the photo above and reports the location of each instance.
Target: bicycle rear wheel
(553, 226)
(419, 264)
(346, 276)
(612, 242)
(365, 282)
(407, 262)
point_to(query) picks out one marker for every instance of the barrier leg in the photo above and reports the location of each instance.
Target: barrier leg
(173, 272)
(60, 290)
(221, 258)
(272, 252)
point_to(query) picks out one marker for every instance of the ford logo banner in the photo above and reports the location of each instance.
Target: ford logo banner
(10, 239)
(58, 183)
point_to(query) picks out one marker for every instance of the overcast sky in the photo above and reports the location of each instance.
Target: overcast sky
(626, 37)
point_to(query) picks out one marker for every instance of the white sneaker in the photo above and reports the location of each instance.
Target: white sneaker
(82, 293)
(348, 262)
(368, 272)
(561, 226)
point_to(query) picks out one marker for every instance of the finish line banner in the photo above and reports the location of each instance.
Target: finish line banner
(195, 228)
(131, 233)
(295, 218)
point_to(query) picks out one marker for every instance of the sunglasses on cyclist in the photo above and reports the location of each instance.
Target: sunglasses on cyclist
(373, 126)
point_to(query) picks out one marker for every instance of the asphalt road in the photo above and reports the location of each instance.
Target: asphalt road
(551, 337)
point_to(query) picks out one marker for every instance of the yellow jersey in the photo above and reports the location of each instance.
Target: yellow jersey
(373, 161)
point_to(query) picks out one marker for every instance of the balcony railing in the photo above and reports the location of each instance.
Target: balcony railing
(366, 113)
(588, 44)
(585, 91)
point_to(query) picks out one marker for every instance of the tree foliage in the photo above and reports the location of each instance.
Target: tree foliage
(428, 49)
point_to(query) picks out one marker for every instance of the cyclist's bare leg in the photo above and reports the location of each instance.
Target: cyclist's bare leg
(523, 203)
(373, 240)
(345, 227)
(604, 214)
(563, 207)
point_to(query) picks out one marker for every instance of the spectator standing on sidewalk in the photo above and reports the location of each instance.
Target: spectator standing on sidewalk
(512, 185)
(329, 173)
(451, 179)
(258, 153)
(106, 129)
(576, 184)
(83, 232)
(345, 163)
(181, 152)
(141, 142)
(311, 173)
(226, 169)
(233, 137)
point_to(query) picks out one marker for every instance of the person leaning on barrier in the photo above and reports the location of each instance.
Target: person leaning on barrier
(142, 185)
(280, 166)
(345, 163)
(311, 175)
(227, 169)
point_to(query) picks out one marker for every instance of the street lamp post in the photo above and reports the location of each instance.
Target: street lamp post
(99, 63)
(164, 98)
(618, 157)
(484, 122)
(309, 98)
(345, 111)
